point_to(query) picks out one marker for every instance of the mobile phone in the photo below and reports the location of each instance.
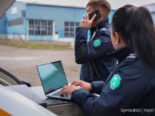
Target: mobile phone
(98, 15)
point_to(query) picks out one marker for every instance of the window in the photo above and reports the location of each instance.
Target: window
(40, 27)
(31, 27)
(69, 28)
(50, 29)
(44, 27)
(37, 27)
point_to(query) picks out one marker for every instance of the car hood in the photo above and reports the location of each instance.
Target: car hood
(18, 105)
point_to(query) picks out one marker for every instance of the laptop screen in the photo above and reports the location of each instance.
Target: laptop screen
(52, 76)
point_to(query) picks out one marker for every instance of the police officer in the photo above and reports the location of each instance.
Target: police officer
(92, 54)
(130, 88)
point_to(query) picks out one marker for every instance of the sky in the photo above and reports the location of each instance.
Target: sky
(114, 3)
(118, 3)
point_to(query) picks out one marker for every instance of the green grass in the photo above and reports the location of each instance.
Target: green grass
(37, 45)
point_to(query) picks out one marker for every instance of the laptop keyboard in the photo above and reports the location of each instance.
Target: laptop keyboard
(57, 93)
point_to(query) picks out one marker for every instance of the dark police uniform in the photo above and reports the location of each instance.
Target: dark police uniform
(129, 89)
(92, 54)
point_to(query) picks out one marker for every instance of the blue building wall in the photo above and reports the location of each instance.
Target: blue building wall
(18, 29)
(111, 15)
(3, 25)
(153, 16)
(21, 6)
(58, 14)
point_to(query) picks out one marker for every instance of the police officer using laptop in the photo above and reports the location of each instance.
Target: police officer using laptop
(93, 54)
(130, 89)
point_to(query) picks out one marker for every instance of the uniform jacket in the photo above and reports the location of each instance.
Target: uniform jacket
(129, 89)
(92, 54)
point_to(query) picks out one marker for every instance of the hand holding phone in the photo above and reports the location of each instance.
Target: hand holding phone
(86, 22)
(97, 13)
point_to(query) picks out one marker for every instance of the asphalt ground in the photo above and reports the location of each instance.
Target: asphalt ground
(22, 62)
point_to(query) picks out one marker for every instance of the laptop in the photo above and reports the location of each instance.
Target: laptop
(53, 78)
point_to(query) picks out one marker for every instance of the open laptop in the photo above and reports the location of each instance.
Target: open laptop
(53, 78)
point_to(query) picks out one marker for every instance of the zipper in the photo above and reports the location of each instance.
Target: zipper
(91, 75)
(94, 34)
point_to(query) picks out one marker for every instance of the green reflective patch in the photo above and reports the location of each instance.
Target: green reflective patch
(97, 43)
(115, 82)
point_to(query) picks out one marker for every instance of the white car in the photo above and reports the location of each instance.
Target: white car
(11, 102)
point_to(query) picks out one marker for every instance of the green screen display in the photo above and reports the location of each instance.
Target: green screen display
(52, 76)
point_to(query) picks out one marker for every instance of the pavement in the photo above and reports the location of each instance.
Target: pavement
(22, 62)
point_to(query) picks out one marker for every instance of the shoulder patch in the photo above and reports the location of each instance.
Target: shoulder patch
(97, 43)
(131, 58)
(115, 82)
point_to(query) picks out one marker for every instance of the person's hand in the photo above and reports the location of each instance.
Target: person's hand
(83, 85)
(86, 22)
(69, 89)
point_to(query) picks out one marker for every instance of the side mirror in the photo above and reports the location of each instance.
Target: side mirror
(4, 6)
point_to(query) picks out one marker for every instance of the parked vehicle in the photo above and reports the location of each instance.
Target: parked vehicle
(11, 102)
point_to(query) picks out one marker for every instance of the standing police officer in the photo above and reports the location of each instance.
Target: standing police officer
(130, 89)
(92, 54)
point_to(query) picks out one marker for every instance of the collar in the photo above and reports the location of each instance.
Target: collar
(102, 24)
(121, 53)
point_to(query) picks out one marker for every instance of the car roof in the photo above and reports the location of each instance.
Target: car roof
(4, 5)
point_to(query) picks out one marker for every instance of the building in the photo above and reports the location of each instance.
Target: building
(151, 7)
(41, 20)
(45, 20)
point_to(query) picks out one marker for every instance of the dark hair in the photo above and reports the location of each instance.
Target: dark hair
(104, 4)
(135, 26)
